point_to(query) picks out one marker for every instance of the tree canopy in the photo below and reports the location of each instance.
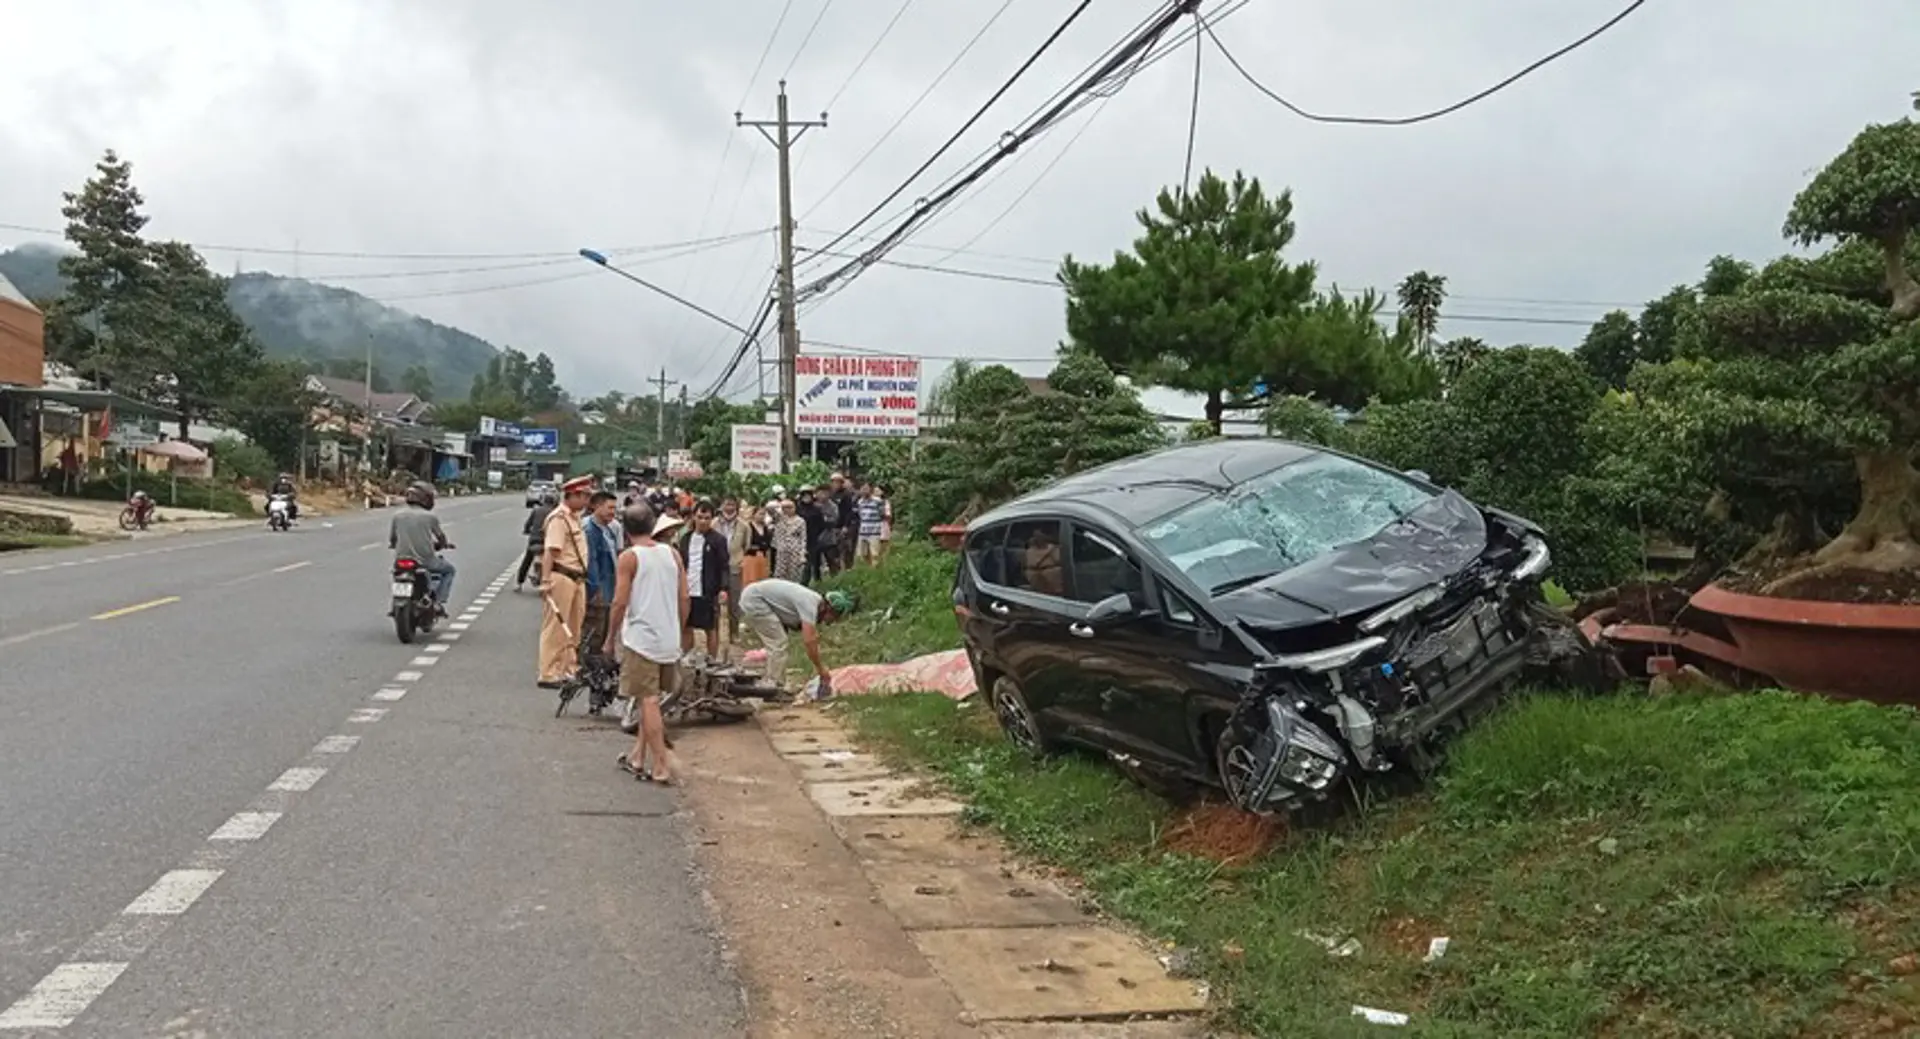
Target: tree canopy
(1205, 302)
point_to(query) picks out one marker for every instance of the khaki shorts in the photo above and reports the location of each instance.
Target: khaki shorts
(641, 679)
(869, 548)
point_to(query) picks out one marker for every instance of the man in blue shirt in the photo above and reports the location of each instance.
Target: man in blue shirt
(604, 541)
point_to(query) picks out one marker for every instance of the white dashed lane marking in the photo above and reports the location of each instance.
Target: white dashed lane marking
(297, 779)
(70, 988)
(173, 893)
(61, 996)
(245, 826)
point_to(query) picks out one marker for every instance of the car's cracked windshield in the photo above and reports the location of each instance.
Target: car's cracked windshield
(1281, 519)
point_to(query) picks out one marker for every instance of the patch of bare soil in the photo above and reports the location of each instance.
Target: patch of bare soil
(1859, 587)
(1224, 834)
(1639, 602)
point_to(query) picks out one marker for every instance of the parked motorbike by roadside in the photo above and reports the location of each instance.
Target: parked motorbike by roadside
(279, 513)
(413, 609)
(138, 513)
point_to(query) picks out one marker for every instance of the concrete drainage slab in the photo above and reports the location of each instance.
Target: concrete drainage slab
(889, 796)
(832, 765)
(1036, 973)
(922, 840)
(787, 719)
(924, 897)
(1099, 1030)
(787, 744)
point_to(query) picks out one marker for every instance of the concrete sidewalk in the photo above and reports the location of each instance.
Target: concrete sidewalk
(94, 518)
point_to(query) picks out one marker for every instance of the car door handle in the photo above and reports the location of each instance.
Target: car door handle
(1000, 608)
(1080, 631)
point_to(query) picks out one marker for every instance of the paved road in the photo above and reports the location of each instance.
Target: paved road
(213, 822)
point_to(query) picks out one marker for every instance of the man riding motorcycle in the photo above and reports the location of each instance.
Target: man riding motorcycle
(283, 484)
(415, 534)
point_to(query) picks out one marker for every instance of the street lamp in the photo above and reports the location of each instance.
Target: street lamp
(597, 257)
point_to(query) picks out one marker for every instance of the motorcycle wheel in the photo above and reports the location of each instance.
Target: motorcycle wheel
(403, 623)
(128, 520)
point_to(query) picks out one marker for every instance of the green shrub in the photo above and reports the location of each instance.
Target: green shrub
(1307, 421)
(905, 606)
(233, 458)
(187, 494)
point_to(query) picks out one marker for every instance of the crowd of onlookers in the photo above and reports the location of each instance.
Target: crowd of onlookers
(650, 578)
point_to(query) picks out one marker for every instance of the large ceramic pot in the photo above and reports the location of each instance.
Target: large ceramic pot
(1841, 649)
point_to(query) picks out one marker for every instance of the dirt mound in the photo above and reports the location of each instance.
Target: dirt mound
(1223, 833)
(1848, 585)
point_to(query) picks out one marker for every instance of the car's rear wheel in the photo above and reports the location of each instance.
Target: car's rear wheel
(1017, 720)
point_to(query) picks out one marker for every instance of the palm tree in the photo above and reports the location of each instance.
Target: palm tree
(1420, 297)
(1457, 355)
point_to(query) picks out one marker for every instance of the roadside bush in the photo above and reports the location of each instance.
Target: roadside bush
(1514, 433)
(905, 606)
(233, 457)
(189, 494)
(1307, 421)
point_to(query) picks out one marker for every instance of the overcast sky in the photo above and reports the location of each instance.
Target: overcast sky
(498, 127)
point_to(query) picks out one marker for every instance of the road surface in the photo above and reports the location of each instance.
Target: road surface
(232, 804)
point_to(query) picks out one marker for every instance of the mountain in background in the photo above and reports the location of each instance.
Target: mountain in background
(327, 327)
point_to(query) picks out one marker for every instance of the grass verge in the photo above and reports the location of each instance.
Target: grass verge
(18, 540)
(1740, 866)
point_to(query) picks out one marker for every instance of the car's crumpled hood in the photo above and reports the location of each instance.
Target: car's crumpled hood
(1435, 541)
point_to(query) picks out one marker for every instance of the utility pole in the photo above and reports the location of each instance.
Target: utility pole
(660, 418)
(785, 134)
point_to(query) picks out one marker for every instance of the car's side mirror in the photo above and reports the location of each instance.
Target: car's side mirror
(1419, 474)
(1117, 607)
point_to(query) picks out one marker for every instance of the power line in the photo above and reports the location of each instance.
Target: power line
(1045, 45)
(924, 94)
(1017, 279)
(1438, 112)
(804, 40)
(1193, 114)
(699, 246)
(726, 149)
(1028, 190)
(868, 56)
(363, 255)
(1088, 91)
(1139, 43)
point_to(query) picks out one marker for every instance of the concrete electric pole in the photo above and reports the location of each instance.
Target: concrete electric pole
(660, 418)
(784, 134)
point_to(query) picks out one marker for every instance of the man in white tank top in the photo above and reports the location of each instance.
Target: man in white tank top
(650, 606)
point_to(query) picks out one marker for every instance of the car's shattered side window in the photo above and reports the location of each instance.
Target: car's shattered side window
(1282, 519)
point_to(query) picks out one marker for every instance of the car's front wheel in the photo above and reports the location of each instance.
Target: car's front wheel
(1017, 720)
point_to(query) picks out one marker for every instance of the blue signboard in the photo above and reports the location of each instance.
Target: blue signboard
(541, 441)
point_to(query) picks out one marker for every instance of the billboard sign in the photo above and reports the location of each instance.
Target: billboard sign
(540, 441)
(756, 449)
(680, 464)
(857, 398)
(492, 427)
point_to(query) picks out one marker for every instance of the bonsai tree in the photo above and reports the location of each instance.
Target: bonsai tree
(1833, 360)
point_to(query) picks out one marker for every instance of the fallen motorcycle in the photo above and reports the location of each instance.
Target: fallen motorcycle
(718, 692)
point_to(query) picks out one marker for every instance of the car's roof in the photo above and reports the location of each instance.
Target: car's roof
(1145, 487)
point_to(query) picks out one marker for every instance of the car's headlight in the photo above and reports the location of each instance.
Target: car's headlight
(1414, 603)
(1535, 562)
(1333, 658)
(1308, 757)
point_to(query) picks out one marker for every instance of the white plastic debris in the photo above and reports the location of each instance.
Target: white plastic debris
(1381, 1017)
(837, 755)
(1437, 948)
(1334, 944)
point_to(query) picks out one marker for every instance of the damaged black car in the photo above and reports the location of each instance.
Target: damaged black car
(1261, 616)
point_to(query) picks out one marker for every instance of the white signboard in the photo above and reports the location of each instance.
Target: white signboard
(454, 443)
(756, 449)
(680, 463)
(130, 436)
(857, 398)
(496, 454)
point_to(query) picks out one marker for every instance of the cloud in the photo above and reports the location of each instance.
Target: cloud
(489, 126)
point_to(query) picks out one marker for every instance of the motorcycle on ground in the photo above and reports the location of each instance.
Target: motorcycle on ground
(413, 609)
(279, 513)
